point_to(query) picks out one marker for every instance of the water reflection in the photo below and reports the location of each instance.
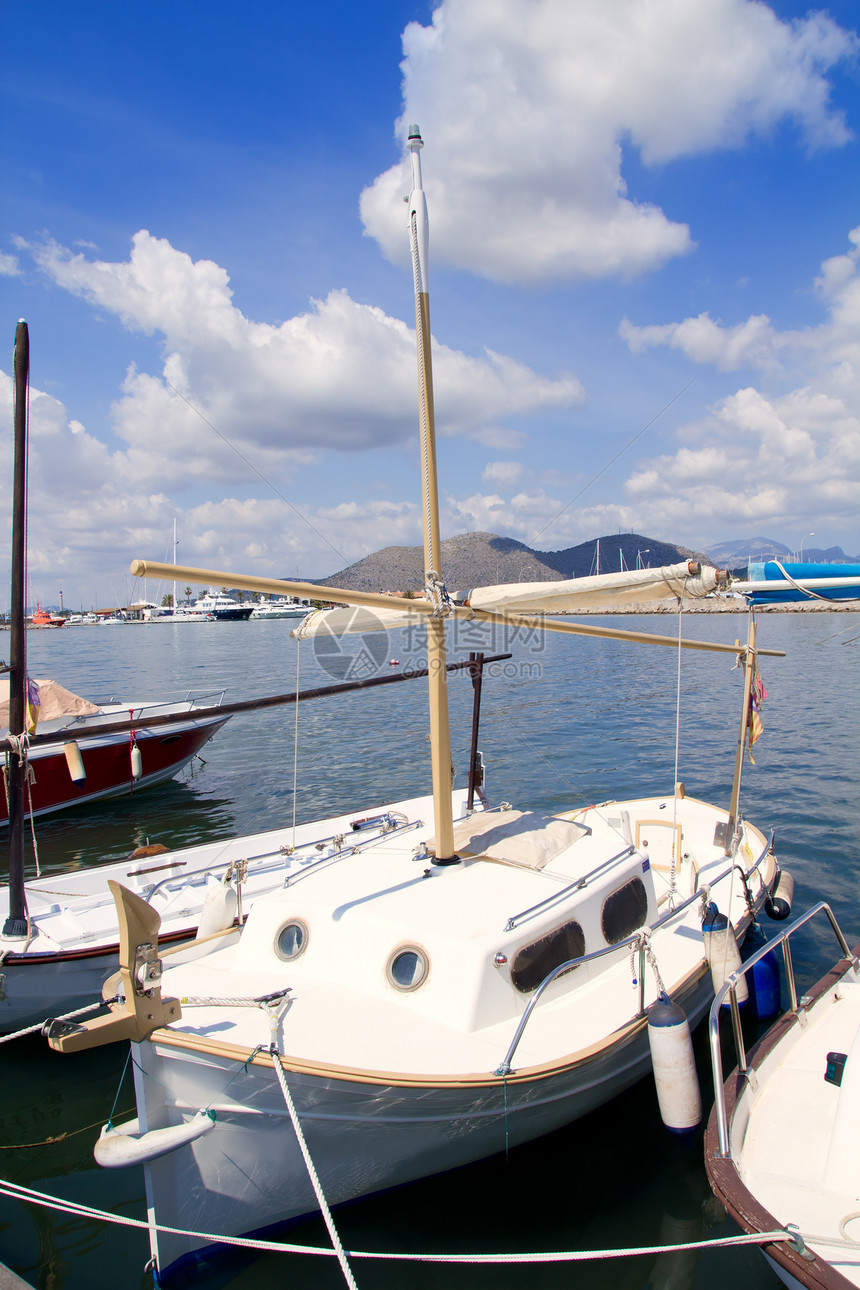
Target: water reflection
(597, 723)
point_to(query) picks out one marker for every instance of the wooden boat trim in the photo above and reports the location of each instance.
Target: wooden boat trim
(479, 1079)
(742, 1206)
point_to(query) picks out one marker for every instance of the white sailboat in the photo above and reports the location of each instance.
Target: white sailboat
(443, 981)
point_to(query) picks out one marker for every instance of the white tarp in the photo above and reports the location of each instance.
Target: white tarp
(605, 591)
(515, 837)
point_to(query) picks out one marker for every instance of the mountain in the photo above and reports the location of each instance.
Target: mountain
(483, 559)
(733, 555)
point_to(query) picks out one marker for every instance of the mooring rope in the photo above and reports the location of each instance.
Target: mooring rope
(67, 1016)
(309, 1165)
(18, 1191)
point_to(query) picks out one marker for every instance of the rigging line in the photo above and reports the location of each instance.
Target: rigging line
(296, 746)
(618, 454)
(675, 848)
(257, 472)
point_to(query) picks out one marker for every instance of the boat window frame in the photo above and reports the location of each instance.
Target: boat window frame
(560, 927)
(612, 895)
(409, 947)
(306, 936)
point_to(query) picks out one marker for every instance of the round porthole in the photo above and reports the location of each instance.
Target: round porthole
(291, 940)
(407, 968)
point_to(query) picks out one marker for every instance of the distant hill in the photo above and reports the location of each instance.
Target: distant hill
(732, 555)
(482, 559)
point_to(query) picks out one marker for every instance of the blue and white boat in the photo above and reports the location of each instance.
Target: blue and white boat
(776, 583)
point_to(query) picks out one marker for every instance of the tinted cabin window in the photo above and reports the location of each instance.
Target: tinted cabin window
(533, 962)
(624, 911)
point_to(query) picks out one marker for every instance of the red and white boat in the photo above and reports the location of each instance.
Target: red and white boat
(83, 761)
(42, 618)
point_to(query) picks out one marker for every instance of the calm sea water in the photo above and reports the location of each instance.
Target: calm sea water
(565, 721)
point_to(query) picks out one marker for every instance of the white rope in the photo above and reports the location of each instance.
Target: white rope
(652, 959)
(67, 1016)
(813, 595)
(31, 779)
(312, 1173)
(19, 1192)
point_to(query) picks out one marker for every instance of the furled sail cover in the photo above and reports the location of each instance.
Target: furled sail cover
(605, 591)
(356, 618)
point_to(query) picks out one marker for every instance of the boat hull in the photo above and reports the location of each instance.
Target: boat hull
(365, 1133)
(798, 1271)
(107, 763)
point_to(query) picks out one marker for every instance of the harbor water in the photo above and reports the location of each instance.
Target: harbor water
(566, 721)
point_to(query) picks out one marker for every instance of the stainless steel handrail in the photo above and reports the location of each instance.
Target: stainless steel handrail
(730, 989)
(284, 856)
(577, 885)
(641, 935)
(638, 937)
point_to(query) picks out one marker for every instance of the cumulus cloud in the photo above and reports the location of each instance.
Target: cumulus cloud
(528, 103)
(749, 344)
(9, 267)
(769, 456)
(830, 350)
(502, 472)
(88, 518)
(763, 459)
(340, 376)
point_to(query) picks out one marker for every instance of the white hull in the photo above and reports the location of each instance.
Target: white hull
(391, 1090)
(791, 1135)
(364, 1137)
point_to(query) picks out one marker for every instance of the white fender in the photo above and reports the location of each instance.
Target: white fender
(722, 954)
(674, 1066)
(125, 1145)
(75, 762)
(219, 908)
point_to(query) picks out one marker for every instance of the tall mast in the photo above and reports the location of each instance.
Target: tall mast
(16, 923)
(440, 737)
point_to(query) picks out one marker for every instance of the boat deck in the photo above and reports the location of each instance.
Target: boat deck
(799, 1156)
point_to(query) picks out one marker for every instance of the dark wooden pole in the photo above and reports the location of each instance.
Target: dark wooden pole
(476, 672)
(16, 923)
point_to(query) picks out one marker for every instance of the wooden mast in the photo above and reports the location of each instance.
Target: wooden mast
(440, 737)
(16, 923)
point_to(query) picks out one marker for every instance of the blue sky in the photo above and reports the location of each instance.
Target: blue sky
(638, 211)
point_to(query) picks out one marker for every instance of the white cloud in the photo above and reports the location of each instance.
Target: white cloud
(340, 376)
(502, 472)
(771, 460)
(830, 351)
(769, 457)
(9, 267)
(749, 344)
(87, 518)
(527, 104)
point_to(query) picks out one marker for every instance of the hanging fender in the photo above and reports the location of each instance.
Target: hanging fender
(722, 953)
(122, 1145)
(674, 1065)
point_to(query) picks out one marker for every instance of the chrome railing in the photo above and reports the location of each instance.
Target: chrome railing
(638, 939)
(279, 857)
(729, 989)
